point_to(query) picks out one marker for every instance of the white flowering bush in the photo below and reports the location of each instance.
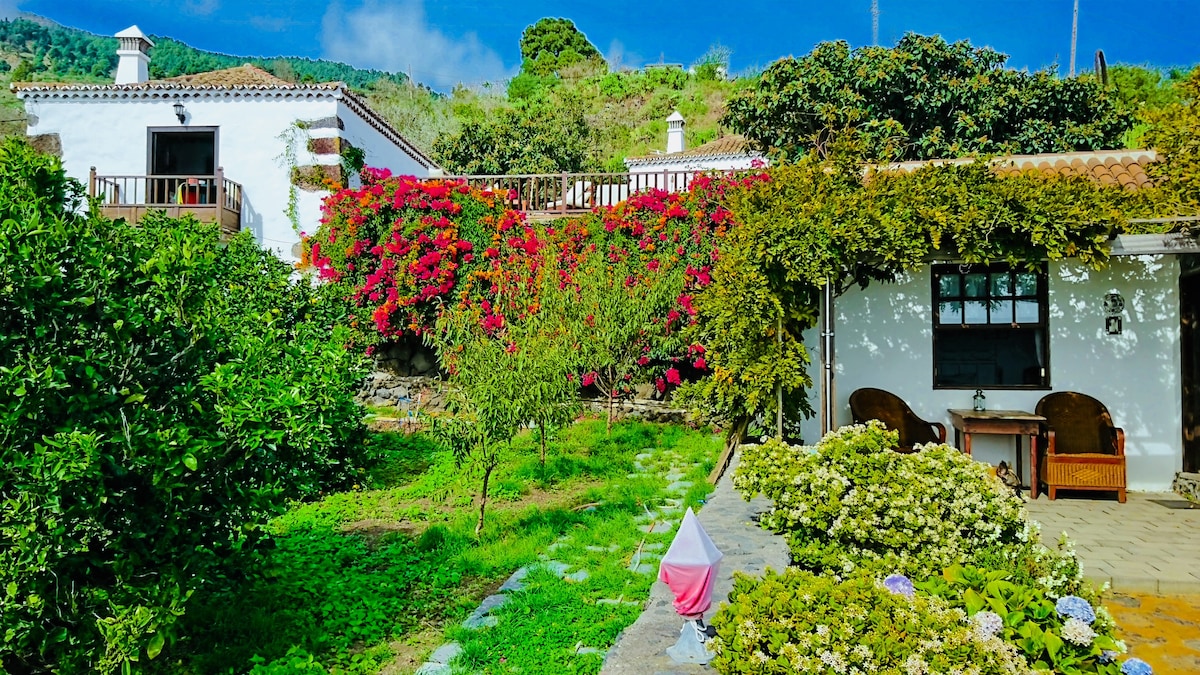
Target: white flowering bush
(852, 502)
(798, 622)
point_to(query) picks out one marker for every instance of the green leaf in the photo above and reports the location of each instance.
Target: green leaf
(189, 460)
(154, 648)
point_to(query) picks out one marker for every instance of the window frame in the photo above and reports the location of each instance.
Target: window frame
(1042, 325)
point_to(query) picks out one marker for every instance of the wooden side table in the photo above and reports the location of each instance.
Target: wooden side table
(1016, 423)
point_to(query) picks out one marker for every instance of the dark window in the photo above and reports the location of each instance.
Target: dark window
(989, 327)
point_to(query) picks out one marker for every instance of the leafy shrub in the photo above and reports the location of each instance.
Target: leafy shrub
(851, 501)
(1064, 634)
(797, 622)
(160, 394)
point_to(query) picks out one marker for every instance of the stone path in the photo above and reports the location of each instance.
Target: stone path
(641, 648)
(1149, 544)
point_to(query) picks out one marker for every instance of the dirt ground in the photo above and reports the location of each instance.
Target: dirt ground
(1162, 631)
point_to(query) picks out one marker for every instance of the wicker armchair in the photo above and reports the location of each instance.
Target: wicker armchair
(1083, 450)
(877, 404)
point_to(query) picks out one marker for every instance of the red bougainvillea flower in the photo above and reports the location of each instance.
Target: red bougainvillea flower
(660, 385)
(588, 379)
(643, 361)
(673, 376)
(700, 364)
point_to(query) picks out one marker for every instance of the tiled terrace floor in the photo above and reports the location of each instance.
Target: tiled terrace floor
(1149, 544)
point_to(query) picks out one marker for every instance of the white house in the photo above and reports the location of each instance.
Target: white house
(237, 146)
(1124, 335)
(672, 169)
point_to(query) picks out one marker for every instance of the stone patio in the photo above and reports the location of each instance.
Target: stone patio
(1149, 544)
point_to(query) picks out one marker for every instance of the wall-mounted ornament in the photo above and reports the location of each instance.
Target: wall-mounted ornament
(1114, 304)
(1112, 325)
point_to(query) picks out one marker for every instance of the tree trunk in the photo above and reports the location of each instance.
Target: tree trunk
(542, 430)
(487, 474)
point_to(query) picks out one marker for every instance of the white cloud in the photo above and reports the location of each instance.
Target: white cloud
(201, 7)
(398, 37)
(618, 57)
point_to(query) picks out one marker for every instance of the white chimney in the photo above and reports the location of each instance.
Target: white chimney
(675, 133)
(133, 52)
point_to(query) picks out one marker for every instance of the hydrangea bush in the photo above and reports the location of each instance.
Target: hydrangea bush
(852, 502)
(797, 622)
(1066, 634)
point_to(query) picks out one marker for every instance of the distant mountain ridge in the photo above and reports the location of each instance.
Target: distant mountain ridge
(38, 48)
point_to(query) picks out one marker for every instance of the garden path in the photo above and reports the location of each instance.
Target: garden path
(1149, 544)
(641, 648)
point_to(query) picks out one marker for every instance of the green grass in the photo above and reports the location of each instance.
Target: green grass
(352, 576)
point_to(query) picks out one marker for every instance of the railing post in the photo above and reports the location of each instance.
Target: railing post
(564, 192)
(220, 193)
(92, 182)
(666, 175)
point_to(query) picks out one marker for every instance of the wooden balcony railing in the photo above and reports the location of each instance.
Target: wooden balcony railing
(560, 194)
(213, 198)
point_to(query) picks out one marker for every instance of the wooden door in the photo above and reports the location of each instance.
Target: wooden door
(1189, 337)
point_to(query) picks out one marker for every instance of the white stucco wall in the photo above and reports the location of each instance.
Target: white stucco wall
(380, 151)
(665, 175)
(112, 136)
(884, 339)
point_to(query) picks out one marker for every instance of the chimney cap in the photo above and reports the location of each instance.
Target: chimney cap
(133, 32)
(675, 117)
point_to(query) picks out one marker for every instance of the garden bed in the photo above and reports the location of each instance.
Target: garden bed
(373, 579)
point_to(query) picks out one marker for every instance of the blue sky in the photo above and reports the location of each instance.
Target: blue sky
(471, 41)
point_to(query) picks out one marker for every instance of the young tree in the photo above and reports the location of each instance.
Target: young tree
(550, 45)
(924, 98)
(544, 138)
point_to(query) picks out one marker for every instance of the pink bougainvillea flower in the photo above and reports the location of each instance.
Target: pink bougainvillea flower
(588, 379)
(673, 376)
(643, 361)
(700, 364)
(660, 385)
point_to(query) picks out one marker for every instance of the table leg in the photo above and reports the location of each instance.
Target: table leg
(1033, 466)
(957, 438)
(967, 443)
(1020, 462)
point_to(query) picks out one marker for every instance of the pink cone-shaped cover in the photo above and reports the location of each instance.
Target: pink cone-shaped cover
(690, 567)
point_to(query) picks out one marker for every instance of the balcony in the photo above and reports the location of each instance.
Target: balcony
(212, 199)
(563, 194)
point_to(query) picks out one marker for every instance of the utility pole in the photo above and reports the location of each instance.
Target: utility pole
(1074, 37)
(875, 22)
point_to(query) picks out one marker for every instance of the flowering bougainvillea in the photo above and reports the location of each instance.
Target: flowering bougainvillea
(406, 249)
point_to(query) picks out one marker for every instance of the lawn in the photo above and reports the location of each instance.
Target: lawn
(373, 579)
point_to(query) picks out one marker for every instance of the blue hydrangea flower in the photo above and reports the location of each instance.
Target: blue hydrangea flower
(1136, 667)
(1107, 656)
(1075, 607)
(988, 623)
(900, 585)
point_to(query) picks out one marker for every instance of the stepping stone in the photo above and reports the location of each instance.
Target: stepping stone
(577, 577)
(656, 546)
(603, 549)
(491, 602)
(680, 486)
(445, 653)
(475, 622)
(643, 568)
(430, 668)
(674, 476)
(515, 582)
(644, 456)
(589, 650)
(559, 568)
(653, 527)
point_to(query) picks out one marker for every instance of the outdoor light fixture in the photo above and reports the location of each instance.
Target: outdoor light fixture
(179, 113)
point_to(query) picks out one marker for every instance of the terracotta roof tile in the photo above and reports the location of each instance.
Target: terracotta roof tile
(241, 77)
(1126, 168)
(732, 144)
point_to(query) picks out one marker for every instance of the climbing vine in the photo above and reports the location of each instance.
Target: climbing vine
(292, 136)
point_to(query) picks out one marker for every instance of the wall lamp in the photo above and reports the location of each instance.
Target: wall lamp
(179, 112)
